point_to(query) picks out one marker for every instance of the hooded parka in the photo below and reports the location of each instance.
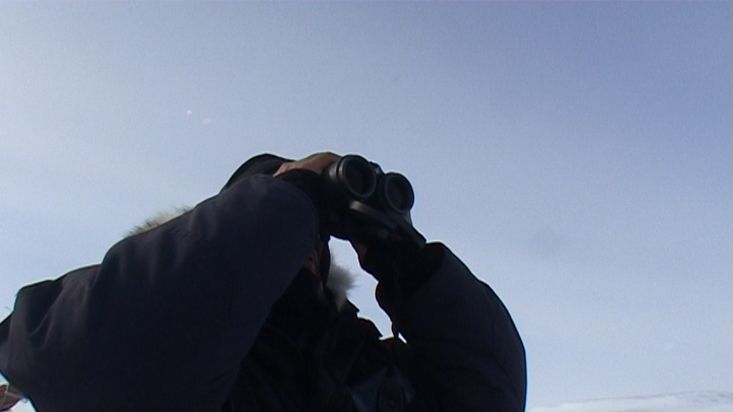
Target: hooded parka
(211, 311)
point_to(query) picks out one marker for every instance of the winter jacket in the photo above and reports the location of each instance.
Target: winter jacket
(211, 312)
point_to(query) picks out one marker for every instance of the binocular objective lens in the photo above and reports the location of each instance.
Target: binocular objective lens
(358, 176)
(357, 181)
(398, 192)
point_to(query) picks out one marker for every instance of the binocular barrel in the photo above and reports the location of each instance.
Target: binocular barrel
(354, 176)
(361, 180)
(397, 192)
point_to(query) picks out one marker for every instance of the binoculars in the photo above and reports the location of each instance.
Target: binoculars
(367, 204)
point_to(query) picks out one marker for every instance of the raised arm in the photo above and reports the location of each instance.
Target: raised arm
(163, 321)
(459, 334)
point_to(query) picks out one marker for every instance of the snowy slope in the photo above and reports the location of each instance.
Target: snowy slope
(679, 402)
(22, 407)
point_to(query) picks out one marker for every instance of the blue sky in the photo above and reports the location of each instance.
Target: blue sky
(577, 156)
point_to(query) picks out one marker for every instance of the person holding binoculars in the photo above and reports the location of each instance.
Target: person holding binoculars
(234, 306)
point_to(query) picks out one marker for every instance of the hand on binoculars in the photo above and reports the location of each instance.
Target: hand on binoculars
(381, 260)
(366, 260)
(316, 162)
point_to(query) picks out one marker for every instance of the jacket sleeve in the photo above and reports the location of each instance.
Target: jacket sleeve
(462, 338)
(163, 322)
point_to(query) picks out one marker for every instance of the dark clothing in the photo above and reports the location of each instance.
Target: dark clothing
(211, 312)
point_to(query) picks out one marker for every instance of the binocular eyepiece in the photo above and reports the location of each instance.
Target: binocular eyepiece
(364, 181)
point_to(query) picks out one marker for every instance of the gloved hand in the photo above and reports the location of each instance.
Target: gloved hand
(305, 174)
(316, 163)
(400, 268)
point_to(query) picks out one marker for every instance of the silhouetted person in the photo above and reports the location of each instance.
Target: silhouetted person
(231, 306)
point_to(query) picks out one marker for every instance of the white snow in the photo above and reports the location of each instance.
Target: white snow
(22, 406)
(708, 401)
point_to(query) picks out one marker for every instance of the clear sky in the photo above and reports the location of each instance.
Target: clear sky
(577, 156)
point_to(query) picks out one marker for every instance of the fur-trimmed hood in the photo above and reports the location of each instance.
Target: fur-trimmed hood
(339, 282)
